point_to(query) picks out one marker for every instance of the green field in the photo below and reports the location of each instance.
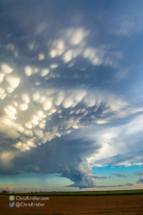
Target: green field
(91, 193)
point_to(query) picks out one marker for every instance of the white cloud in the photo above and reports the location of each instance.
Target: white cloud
(23, 106)
(46, 105)
(68, 56)
(44, 72)
(41, 56)
(6, 68)
(25, 98)
(28, 71)
(1, 77)
(13, 81)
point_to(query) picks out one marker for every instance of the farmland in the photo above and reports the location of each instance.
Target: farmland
(90, 193)
(78, 203)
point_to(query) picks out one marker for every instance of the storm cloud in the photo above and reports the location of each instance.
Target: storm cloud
(70, 81)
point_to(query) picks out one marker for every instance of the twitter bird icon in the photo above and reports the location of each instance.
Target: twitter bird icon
(11, 204)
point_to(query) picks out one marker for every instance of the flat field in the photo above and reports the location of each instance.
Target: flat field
(83, 193)
(76, 205)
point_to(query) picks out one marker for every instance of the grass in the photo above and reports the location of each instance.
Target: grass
(91, 193)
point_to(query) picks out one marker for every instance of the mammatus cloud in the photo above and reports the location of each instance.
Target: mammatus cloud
(65, 102)
(139, 181)
(120, 175)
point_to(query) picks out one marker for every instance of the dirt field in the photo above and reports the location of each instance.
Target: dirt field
(75, 205)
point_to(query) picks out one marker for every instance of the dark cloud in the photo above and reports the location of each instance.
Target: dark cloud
(120, 175)
(128, 184)
(139, 181)
(99, 177)
(138, 173)
(120, 185)
(67, 158)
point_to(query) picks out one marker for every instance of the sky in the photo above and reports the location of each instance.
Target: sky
(71, 108)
